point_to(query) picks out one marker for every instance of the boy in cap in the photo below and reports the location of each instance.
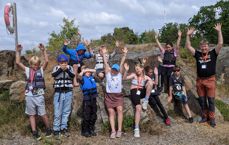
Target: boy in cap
(63, 75)
(177, 90)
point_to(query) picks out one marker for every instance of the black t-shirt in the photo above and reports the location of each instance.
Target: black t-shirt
(207, 67)
(176, 83)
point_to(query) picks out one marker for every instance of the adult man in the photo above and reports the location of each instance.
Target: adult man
(206, 70)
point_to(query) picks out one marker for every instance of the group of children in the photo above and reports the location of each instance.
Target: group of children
(71, 72)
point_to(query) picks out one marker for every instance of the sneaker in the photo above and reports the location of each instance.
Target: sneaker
(48, 132)
(92, 133)
(113, 135)
(65, 133)
(36, 135)
(136, 132)
(119, 134)
(167, 121)
(145, 104)
(190, 120)
(203, 120)
(86, 134)
(212, 123)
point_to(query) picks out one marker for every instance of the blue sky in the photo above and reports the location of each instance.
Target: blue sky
(38, 18)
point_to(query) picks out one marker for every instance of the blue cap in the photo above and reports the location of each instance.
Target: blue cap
(115, 67)
(62, 58)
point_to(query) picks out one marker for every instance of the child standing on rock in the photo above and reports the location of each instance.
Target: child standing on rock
(63, 77)
(89, 89)
(177, 90)
(34, 91)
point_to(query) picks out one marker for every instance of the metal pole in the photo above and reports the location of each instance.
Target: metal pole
(15, 23)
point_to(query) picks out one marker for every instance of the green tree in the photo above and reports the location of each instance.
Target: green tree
(126, 35)
(208, 16)
(147, 37)
(68, 31)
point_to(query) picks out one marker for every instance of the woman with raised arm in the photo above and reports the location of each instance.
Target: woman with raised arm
(169, 55)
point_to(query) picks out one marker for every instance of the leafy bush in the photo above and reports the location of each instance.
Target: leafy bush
(223, 108)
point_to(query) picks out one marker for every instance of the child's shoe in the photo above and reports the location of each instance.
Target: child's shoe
(145, 104)
(190, 120)
(36, 135)
(48, 132)
(113, 135)
(136, 132)
(64, 132)
(167, 121)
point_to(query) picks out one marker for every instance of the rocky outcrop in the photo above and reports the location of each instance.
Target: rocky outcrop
(8, 66)
(17, 91)
(5, 84)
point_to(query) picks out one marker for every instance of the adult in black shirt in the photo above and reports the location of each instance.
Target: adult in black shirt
(206, 69)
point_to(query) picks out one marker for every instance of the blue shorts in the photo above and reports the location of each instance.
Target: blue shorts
(181, 97)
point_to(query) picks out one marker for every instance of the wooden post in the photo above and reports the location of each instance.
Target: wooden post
(15, 24)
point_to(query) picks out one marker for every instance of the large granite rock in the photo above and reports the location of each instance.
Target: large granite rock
(17, 91)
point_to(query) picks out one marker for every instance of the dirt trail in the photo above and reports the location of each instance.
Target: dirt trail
(180, 133)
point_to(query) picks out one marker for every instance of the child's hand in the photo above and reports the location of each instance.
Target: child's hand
(144, 60)
(170, 99)
(19, 48)
(117, 44)
(66, 42)
(125, 50)
(87, 43)
(41, 47)
(179, 33)
(126, 66)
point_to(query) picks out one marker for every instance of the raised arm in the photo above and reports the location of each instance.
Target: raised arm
(179, 40)
(188, 42)
(159, 44)
(220, 37)
(156, 76)
(18, 57)
(65, 48)
(124, 50)
(125, 76)
(106, 65)
(44, 53)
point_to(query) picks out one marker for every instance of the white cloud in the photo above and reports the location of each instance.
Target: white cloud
(38, 18)
(57, 13)
(102, 18)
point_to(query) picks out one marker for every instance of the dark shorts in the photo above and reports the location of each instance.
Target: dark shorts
(135, 99)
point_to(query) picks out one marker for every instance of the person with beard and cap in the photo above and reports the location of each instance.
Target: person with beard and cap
(169, 55)
(76, 57)
(206, 70)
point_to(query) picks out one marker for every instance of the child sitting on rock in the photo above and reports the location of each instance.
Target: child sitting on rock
(34, 91)
(63, 77)
(89, 89)
(76, 57)
(177, 90)
(154, 100)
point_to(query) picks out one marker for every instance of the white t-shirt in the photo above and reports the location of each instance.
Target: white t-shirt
(39, 91)
(113, 83)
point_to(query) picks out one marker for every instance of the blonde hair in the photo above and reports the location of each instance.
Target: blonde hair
(139, 65)
(34, 60)
(203, 42)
